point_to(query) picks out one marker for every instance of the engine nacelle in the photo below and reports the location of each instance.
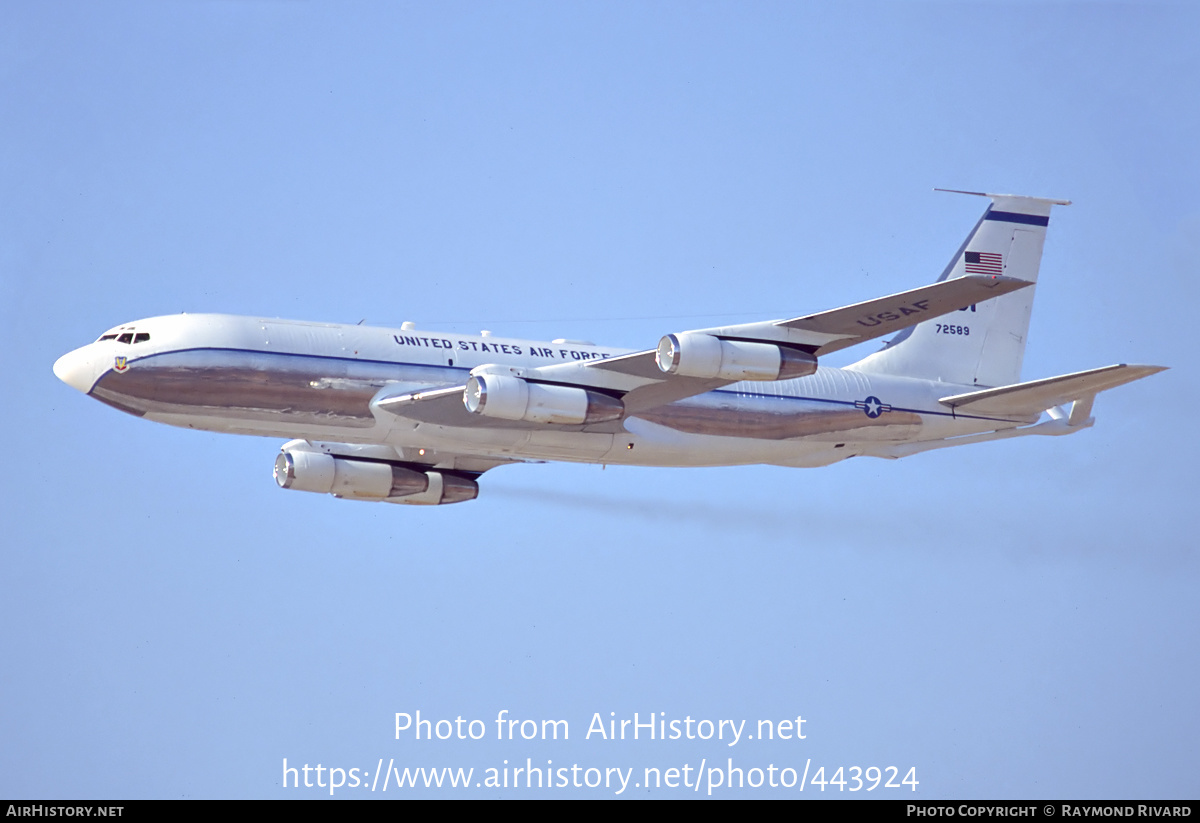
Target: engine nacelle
(443, 489)
(702, 355)
(362, 480)
(511, 398)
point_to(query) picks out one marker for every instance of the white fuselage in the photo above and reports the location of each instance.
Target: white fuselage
(318, 381)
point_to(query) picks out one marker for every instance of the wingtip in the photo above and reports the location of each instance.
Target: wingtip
(999, 281)
(1139, 371)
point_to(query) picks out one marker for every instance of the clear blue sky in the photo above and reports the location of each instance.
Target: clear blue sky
(1013, 619)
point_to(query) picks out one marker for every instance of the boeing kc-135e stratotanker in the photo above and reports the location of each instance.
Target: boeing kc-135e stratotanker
(408, 416)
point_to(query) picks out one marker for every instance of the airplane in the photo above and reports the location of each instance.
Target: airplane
(416, 417)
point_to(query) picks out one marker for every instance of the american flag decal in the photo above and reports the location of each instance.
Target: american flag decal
(984, 262)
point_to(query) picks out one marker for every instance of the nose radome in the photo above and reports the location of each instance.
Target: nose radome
(77, 369)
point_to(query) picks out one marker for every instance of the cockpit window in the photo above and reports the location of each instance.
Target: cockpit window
(127, 337)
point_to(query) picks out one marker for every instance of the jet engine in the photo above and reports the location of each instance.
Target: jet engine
(511, 398)
(369, 480)
(702, 355)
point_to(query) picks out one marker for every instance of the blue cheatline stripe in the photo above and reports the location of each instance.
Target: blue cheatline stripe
(854, 404)
(828, 400)
(1013, 217)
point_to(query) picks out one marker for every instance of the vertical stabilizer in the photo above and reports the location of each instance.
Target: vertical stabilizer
(983, 344)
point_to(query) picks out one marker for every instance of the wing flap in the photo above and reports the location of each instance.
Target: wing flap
(1035, 397)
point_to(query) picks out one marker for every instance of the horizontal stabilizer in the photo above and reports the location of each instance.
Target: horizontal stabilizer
(1033, 398)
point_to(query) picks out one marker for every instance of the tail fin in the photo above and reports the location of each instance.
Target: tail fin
(982, 344)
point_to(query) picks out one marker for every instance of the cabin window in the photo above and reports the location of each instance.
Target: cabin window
(141, 337)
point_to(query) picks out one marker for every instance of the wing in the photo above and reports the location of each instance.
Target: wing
(841, 328)
(685, 364)
(815, 334)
